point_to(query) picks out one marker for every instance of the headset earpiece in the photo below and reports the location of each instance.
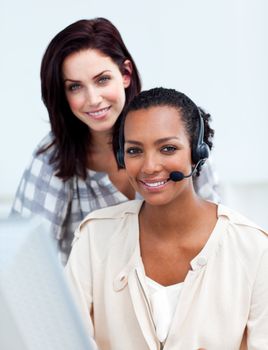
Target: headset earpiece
(120, 150)
(201, 151)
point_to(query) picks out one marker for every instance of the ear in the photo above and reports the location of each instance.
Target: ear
(127, 72)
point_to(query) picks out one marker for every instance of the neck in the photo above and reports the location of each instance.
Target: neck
(100, 140)
(175, 219)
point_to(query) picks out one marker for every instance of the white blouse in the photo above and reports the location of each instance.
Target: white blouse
(163, 304)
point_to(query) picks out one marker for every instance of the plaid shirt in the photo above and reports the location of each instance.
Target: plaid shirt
(63, 205)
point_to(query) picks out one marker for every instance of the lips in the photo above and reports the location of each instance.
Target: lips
(154, 185)
(98, 113)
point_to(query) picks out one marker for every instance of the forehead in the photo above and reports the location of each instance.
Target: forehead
(158, 120)
(90, 61)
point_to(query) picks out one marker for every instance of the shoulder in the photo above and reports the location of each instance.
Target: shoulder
(112, 215)
(41, 161)
(40, 167)
(241, 223)
(39, 184)
(110, 228)
(243, 237)
(115, 211)
(46, 144)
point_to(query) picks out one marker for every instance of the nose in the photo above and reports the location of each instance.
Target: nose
(93, 96)
(151, 164)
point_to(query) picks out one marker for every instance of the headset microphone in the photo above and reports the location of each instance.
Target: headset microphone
(178, 175)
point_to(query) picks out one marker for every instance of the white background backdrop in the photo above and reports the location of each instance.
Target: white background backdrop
(214, 51)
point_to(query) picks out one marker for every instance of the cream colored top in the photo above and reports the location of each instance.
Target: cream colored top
(223, 304)
(163, 304)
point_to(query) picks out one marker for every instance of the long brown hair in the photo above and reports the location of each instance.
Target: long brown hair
(71, 137)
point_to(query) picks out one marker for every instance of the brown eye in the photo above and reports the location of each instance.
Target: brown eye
(133, 151)
(168, 149)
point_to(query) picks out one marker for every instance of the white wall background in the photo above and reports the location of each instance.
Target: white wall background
(216, 51)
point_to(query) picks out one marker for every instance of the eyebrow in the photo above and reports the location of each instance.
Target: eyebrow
(159, 141)
(95, 77)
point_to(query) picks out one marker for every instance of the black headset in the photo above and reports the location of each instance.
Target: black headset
(121, 140)
(201, 150)
(199, 154)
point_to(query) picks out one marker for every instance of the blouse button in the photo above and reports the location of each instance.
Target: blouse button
(202, 261)
(122, 278)
(120, 282)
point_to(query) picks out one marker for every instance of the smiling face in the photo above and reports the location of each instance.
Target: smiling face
(156, 143)
(95, 88)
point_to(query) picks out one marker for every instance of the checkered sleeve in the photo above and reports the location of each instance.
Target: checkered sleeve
(41, 193)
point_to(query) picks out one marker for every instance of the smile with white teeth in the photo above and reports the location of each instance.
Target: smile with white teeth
(154, 184)
(99, 112)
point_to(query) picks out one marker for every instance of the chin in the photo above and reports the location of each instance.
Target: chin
(156, 201)
(103, 127)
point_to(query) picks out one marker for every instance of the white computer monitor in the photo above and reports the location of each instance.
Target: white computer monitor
(37, 311)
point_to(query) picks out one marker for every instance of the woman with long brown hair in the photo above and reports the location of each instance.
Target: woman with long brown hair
(88, 78)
